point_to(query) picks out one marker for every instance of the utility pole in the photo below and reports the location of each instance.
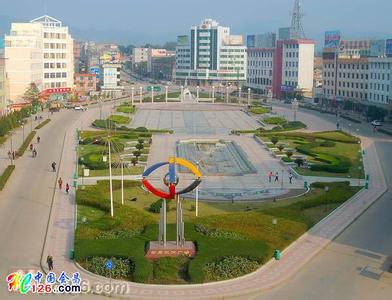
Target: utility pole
(110, 178)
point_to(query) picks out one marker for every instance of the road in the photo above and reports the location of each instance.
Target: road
(354, 265)
(25, 203)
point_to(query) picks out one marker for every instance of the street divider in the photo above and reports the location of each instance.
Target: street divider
(26, 143)
(42, 124)
(6, 174)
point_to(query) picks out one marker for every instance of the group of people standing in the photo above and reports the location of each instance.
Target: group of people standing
(275, 176)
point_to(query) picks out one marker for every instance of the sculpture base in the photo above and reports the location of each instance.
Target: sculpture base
(156, 250)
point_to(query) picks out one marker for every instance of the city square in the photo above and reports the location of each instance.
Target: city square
(182, 156)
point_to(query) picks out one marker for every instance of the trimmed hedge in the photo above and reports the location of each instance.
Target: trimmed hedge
(26, 143)
(42, 124)
(6, 175)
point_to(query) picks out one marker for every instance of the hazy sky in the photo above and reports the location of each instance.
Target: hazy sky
(157, 21)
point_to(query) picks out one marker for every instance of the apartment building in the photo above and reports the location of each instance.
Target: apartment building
(41, 52)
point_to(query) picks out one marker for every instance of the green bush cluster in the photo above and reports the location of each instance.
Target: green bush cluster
(122, 268)
(6, 175)
(229, 267)
(274, 120)
(26, 143)
(118, 234)
(104, 124)
(42, 124)
(155, 207)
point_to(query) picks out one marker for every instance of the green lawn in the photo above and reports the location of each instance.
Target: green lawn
(259, 110)
(120, 119)
(127, 109)
(331, 154)
(221, 231)
(274, 120)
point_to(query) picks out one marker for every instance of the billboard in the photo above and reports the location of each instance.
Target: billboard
(251, 41)
(234, 40)
(286, 88)
(332, 39)
(388, 48)
(95, 70)
(182, 40)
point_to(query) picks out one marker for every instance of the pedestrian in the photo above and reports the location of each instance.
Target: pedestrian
(290, 177)
(60, 181)
(53, 166)
(269, 176)
(31, 147)
(67, 188)
(9, 154)
(49, 261)
(36, 118)
(276, 176)
(13, 155)
(38, 139)
(34, 152)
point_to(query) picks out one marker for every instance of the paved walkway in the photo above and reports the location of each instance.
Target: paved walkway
(17, 141)
(60, 240)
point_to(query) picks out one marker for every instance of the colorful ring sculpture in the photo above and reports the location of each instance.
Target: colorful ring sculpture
(172, 182)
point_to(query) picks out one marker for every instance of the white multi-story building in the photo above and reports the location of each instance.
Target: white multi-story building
(139, 55)
(3, 88)
(380, 81)
(260, 69)
(211, 55)
(298, 64)
(39, 52)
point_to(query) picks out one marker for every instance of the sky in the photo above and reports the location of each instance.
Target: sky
(157, 21)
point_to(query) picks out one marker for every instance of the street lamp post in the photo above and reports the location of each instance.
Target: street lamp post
(166, 93)
(227, 94)
(197, 194)
(282, 180)
(132, 95)
(213, 94)
(140, 94)
(294, 107)
(326, 197)
(248, 97)
(197, 93)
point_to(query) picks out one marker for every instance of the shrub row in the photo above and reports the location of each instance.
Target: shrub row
(26, 143)
(11, 121)
(42, 124)
(6, 175)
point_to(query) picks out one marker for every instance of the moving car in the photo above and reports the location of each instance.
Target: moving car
(376, 123)
(79, 107)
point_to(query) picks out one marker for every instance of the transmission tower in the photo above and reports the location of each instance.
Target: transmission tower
(296, 29)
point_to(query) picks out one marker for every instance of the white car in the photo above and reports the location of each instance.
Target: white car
(79, 107)
(376, 123)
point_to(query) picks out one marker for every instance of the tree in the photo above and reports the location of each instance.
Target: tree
(32, 94)
(281, 147)
(134, 161)
(274, 140)
(289, 153)
(136, 153)
(299, 161)
(139, 146)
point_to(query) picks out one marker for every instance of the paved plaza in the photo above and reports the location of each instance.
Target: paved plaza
(193, 118)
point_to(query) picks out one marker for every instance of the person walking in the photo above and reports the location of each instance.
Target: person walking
(34, 152)
(276, 176)
(291, 177)
(13, 155)
(38, 139)
(60, 182)
(31, 147)
(49, 261)
(67, 188)
(9, 154)
(53, 166)
(270, 176)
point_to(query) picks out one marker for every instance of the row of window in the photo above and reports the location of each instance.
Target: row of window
(347, 75)
(343, 93)
(379, 98)
(379, 76)
(254, 54)
(260, 63)
(55, 85)
(291, 64)
(379, 65)
(291, 46)
(259, 72)
(55, 46)
(55, 55)
(292, 54)
(348, 66)
(55, 75)
(291, 83)
(53, 35)
(260, 81)
(55, 65)
(291, 73)
(379, 86)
